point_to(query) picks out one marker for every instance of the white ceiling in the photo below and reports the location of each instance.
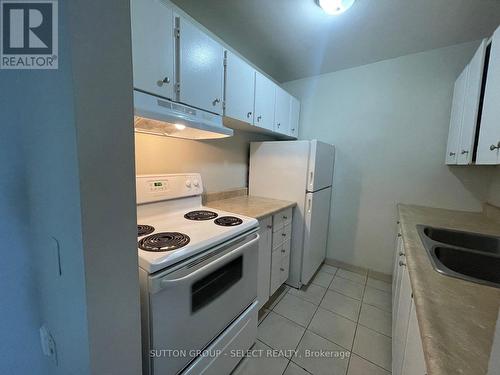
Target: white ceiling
(291, 39)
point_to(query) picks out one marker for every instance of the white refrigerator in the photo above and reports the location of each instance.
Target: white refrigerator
(302, 172)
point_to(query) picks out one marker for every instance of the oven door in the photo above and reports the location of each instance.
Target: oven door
(191, 305)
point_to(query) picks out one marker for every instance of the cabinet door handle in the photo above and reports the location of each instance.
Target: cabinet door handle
(493, 147)
(278, 124)
(283, 250)
(293, 130)
(283, 234)
(401, 254)
(259, 118)
(452, 154)
(162, 81)
(402, 264)
(464, 152)
(399, 234)
(269, 227)
(285, 217)
(249, 114)
(282, 269)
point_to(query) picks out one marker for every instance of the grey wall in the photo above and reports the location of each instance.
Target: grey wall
(389, 122)
(66, 188)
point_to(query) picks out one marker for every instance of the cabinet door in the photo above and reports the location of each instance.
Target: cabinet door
(239, 89)
(402, 317)
(488, 151)
(276, 265)
(264, 102)
(264, 270)
(285, 268)
(282, 111)
(200, 69)
(457, 111)
(471, 106)
(414, 360)
(153, 47)
(294, 117)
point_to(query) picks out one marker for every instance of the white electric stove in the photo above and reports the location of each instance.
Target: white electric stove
(198, 278)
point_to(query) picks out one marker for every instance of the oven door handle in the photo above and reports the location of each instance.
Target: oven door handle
(203, 269)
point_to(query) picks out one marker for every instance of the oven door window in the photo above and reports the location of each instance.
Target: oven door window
(216, 283)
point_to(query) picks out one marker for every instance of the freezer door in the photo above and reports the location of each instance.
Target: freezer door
(321, 161)
(317, 217)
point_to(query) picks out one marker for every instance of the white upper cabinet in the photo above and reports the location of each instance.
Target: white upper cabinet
(457, 111)
(488, 149)
(200, 70)
(264, 102)
(239, 89)
(153, 47)
(282, 111)
(471, 106)
(294, 117)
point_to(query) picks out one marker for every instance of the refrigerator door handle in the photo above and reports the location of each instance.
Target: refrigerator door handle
(309, 204)
(311, 177)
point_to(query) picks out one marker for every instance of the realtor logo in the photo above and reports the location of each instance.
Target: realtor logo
(29, 38)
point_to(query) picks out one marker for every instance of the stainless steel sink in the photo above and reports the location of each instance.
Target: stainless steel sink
(474, 241)
(469, 256)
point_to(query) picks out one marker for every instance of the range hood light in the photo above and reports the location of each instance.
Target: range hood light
(180, 126)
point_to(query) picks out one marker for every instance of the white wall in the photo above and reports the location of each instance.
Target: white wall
(389, 122)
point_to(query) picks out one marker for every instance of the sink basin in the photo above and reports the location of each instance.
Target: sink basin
(473, 264)
(468, 256)
(467, 240)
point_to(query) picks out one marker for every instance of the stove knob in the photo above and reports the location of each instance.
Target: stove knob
(188, 183)
(196, 183)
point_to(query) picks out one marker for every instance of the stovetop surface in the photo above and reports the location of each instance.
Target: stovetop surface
(203, 234)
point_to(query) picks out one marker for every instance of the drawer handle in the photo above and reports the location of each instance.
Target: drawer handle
(401, 254)
(452, 153)
(285, 217)
(399, 234)
(282, 269)
(402, 264)
(282, 250)
(283, 234)
(269, 227)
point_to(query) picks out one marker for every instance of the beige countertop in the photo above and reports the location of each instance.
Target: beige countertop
(456, 318)
(248, 205)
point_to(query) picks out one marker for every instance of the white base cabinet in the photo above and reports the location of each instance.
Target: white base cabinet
(274, 253)
(407, 353)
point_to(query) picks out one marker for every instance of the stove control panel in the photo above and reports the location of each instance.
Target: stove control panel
(154, 188)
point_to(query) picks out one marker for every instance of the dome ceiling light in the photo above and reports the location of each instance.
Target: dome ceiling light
(335, 7)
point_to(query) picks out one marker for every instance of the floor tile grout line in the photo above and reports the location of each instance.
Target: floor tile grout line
(307, 328)
(357, 325)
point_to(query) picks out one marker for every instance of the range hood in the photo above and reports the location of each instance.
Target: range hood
(158, 116)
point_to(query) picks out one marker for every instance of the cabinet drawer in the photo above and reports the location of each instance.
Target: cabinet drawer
(282, 218)
(281, 236)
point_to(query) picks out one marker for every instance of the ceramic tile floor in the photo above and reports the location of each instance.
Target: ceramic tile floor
(340, 314)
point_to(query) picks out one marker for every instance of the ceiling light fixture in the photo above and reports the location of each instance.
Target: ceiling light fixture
(335, 7)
